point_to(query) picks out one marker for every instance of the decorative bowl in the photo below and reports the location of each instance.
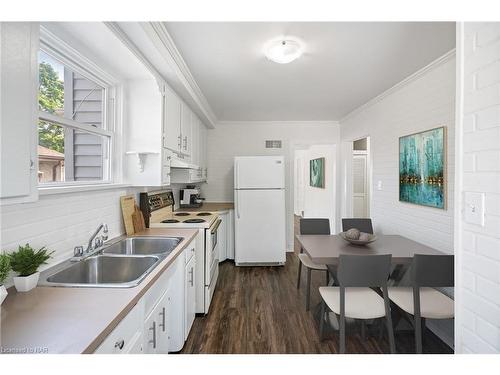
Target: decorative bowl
(371, 238)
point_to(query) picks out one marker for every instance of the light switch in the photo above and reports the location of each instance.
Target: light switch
(474, 208)
(379, 185)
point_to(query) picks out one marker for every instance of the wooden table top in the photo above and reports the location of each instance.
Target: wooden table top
(325, 249)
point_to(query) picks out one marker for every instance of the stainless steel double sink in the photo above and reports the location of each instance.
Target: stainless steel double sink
(122, 264)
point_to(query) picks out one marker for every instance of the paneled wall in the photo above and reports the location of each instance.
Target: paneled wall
(479, 281)
(60, 221)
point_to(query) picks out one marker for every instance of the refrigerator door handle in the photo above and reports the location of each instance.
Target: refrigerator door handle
(237, 204)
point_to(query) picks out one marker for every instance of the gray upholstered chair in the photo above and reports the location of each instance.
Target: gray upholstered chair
(364, 225)
(421, 300)
(312, 226)
(354, 297)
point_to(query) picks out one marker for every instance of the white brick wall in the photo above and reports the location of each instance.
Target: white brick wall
(424, 102)
(479, 288)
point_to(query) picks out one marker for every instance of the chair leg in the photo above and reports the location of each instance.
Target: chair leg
(418, 335)
(298, 277)
(381, 328)
(363, 330)
(308, 291)
(423, 331)
(327, 277)
(322, 320)
(342, 335)
(390, 333)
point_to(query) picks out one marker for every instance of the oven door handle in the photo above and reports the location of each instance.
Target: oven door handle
(216, 226)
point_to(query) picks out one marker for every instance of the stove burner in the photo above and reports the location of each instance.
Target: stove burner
(170, 221)
(194, 221)
(182, 214)
(204, 214)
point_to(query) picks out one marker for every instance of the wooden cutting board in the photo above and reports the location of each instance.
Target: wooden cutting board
(138, 220)
(128, 205)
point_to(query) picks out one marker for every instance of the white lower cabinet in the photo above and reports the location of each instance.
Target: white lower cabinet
(126, 338)
(156, 335)
(226, 235)
(160, 322)
(190, 296)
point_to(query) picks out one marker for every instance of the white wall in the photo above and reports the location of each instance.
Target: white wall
(424, 101)
(478, 269)
(321, 202)
(242, 139)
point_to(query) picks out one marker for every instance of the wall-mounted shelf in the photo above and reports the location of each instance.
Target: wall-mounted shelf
(141, 157)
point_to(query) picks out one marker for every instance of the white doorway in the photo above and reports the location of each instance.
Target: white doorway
(361, 178)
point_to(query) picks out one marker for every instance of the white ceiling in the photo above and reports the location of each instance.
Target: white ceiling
(345, 64)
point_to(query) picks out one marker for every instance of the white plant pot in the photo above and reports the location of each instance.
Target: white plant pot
(26, 283)
(3, 293)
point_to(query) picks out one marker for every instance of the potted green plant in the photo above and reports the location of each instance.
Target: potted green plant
(25, 261)
(4, 272)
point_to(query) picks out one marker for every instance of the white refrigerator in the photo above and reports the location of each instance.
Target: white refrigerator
(259, 198)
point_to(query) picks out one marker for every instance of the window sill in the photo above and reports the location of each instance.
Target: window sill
(50, 190)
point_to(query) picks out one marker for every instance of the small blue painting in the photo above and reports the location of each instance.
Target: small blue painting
(422, 165)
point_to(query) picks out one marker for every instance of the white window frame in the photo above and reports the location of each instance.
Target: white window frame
(74, 60)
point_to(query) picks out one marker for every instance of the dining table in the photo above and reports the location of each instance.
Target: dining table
(326, 249)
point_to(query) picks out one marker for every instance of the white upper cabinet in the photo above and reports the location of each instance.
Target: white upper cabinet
(18, 112)
(186, 131)
(195, 140)
(172, 122)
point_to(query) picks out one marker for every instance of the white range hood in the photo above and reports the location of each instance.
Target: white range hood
(177, 163)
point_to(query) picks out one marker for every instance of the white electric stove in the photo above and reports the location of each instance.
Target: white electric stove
(157, 208)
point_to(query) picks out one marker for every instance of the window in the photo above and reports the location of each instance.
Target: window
(74, 132)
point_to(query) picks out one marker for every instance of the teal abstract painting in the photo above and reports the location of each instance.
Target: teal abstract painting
(422, 159)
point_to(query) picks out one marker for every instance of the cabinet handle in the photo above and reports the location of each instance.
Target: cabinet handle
(153, 341)
(162, 324)
(179, 143)
(185, 142)
(120, 344)
(192, 276)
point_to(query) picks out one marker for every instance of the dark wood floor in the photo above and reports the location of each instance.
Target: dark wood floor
(260, 310)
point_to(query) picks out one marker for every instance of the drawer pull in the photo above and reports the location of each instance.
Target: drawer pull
(153, 341)
(162, 324)
(120, 344)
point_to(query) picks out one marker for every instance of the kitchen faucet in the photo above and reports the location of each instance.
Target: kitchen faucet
(93, 244)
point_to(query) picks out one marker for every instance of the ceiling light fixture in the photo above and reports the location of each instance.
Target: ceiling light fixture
(283, 51)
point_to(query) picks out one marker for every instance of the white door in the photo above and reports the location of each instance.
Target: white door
(190, 296)
(257, 172)
(359, 186)
(260, 226)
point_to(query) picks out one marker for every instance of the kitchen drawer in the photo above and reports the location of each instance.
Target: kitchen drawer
(189, 252)
(154, 294)
(123, 338)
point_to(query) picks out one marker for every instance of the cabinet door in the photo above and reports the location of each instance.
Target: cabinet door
(156, 328)
(190, 296)
(203, 151)
(186, 130)
(172, 122)
(195, 140)
(19, 112)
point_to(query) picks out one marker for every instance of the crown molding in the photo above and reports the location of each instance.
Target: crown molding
(280, 122)
(170, 51)
(419, 73)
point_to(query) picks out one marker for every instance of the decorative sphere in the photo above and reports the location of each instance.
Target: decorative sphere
(364, 236)
(352, 234)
